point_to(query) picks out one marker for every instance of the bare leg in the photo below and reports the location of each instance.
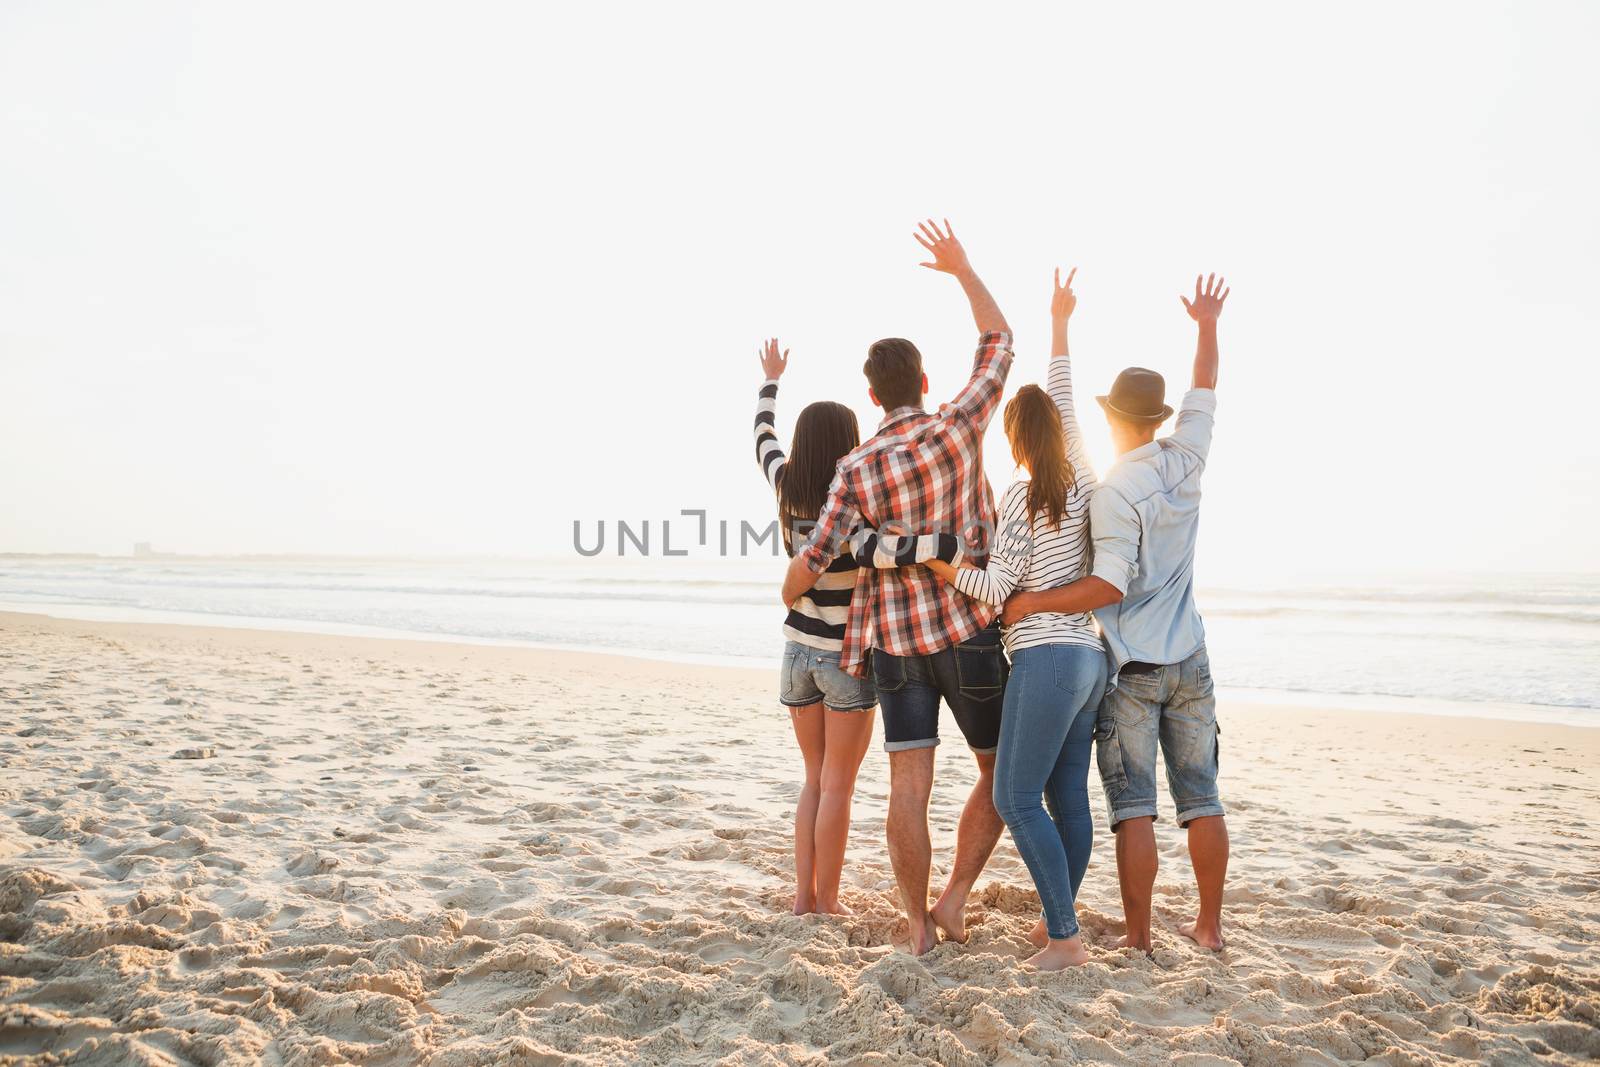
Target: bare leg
(808, 730)
(910, 850)
(848, 734)
(1208, 851)
(976, 836)
(1136, 870)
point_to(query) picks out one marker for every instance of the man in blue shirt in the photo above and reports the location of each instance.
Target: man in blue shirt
(1144, 518)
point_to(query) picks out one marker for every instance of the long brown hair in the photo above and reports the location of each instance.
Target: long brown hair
(1038, 443)
(823, 434)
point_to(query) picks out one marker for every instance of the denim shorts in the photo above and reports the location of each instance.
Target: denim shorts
(811, 675)
(971, 677)
(1173, 706)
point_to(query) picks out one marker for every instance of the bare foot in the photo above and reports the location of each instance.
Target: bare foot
(950, 916)
(1207, 937)
(804, 905)
(832, 908)
(924, 939)
(1129, 941)
(1038, 936)
(1059, 955)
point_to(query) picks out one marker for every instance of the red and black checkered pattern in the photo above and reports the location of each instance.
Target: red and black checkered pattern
(920, 473)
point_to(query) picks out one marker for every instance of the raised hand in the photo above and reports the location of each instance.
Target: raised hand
(948, 255)
(772, 364)
(1064, 299)
(1207, 305)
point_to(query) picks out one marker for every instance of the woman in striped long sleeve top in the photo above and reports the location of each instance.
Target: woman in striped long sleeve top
(832, 711)
(1058, 669)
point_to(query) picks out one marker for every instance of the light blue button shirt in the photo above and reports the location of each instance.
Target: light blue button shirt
(1145, 517)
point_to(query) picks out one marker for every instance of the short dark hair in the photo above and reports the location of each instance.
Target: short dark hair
(894, 370)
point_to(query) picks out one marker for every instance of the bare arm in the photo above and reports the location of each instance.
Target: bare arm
(1116, 561)
(979, 398)
(1205, 309)
(838, 519)
(798, 579)
(950, 258)
(1085, 594)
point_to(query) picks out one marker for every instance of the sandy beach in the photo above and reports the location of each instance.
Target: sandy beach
(229, 846)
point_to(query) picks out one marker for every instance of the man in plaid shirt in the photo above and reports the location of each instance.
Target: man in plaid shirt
(923, 473)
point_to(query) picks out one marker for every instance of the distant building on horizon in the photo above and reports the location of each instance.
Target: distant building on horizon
(143, 550)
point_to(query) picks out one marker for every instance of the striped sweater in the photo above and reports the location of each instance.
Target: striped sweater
(817, 619)
(1030, 554)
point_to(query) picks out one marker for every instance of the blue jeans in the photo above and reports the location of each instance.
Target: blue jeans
(970, 677)
(812, 675)
(1175, 705)
(1046, 732)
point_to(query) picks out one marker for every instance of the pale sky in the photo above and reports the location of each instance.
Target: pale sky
(384, 278)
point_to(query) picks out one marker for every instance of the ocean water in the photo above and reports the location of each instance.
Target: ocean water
(1527, 646)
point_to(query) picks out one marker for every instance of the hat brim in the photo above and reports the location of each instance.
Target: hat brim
(1112, 409)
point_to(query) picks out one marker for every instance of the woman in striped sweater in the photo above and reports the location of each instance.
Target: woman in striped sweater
(832, 711)
(1058, 668)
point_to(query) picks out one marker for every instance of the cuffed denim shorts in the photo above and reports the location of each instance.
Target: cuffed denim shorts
(971, 677)
(811, 675)
(1173, 707)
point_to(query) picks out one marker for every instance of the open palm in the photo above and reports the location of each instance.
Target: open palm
(772, 363)
(948, 255)
(1206, 305)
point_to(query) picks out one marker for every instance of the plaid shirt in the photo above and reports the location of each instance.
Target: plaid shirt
(919, 473)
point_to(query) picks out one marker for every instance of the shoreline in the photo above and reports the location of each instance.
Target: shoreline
(1549, 714)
